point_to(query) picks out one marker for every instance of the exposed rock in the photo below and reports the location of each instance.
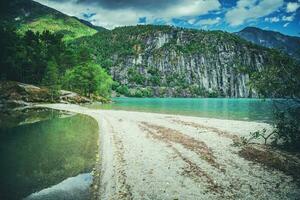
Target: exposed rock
(14, 94)
(72, 97)
(213, 70)
(179, 61)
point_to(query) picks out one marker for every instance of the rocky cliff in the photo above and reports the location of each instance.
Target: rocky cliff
(167, 61)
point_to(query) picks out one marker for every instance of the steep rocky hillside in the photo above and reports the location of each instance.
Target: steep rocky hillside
(30, 15)
(154, 60)
(166, 61)
(272, 39)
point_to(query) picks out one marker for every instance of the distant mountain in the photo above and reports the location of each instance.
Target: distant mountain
(272, 39)
(30, 15)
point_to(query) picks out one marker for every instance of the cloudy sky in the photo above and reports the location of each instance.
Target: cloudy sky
(228, 15)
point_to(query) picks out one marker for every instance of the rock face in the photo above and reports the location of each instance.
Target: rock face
(272, 39)
(180, 62)
(14, 94)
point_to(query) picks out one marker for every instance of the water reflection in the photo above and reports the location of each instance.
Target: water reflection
(38, 155)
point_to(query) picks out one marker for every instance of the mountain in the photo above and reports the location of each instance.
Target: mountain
(30, 15)
(167, 61)
(89, 24)
(149, 60)
(272, 39)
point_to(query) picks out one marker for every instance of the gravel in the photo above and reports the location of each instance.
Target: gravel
(159, 156)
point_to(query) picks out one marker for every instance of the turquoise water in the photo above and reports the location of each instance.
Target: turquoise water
(223, 108)
(42, 148)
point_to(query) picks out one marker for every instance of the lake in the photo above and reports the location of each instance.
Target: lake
(41, 148)
(222, 108)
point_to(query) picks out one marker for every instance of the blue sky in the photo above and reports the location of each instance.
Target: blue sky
(228, 15)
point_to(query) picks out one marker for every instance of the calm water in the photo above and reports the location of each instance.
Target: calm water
(224, 108)
(40, 154)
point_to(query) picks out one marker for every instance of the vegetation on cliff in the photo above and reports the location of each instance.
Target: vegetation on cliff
(153, 60)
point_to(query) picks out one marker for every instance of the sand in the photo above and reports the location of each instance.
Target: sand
(160, 156)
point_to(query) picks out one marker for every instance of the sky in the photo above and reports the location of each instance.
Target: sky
(227, 15)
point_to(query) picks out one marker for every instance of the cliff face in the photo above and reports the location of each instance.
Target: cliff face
(179, 62)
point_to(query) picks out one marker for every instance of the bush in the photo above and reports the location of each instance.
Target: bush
(287, 128)
(123, 89)
(135, 77)
(282, 79)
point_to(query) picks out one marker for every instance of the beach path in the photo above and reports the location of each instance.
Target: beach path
(160, 156)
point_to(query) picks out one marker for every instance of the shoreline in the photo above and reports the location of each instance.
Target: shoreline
(154, 155)
(82, 109)
(256, 110)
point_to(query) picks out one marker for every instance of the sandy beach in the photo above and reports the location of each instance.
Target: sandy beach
(160, 156)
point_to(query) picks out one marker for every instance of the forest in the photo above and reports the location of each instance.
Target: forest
(43, 58)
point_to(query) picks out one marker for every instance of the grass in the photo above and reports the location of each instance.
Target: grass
(70, 27)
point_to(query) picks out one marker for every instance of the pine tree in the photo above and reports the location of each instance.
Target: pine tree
(51, 78)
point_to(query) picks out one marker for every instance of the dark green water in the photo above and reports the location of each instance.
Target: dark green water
(38, 155)
(224, 108)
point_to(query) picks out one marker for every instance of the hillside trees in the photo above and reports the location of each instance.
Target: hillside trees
(282, 80)
(51, 78)
(44, 59)
(25, 58)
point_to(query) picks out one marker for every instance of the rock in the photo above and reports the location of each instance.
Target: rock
(217, 62)
(72, 97)
(15, 94)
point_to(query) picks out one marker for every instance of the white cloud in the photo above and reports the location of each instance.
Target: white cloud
(292, 7)
(286, 24)
(209, 21)
(110, 18)
(288, 18)
(192, 21)
(272, 19)
(249, 10)
(283, 18)
(189, 8)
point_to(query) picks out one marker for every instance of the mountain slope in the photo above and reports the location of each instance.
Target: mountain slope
(89, 24)
(272, 39)
(30, 15)
(167, 61)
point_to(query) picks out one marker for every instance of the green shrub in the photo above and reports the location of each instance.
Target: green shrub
(88, 78)
(123, 89)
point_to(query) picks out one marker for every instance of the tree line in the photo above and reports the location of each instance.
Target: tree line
(45, 59)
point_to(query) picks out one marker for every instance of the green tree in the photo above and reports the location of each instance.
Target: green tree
(282, 80)
(51, 78)
(88, 78)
